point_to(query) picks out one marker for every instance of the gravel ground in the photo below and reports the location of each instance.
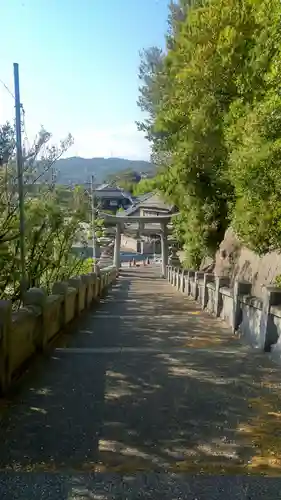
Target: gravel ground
(140, 486)
(144, 397)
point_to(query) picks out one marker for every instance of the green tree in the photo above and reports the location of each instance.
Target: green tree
(217, 80)
(145, 186)
(253, 136)
(51, 229)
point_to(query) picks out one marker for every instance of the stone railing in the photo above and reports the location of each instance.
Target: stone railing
(42, 317)
(259, 321)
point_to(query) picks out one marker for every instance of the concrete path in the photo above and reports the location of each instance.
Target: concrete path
(146, 397)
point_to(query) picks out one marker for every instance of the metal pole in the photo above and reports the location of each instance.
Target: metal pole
(93, 223)
(20, 173)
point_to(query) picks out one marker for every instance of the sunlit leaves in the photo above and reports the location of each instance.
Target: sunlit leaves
(217, 119)
(51, 227)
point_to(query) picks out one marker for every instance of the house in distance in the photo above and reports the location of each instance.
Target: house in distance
(112, 198)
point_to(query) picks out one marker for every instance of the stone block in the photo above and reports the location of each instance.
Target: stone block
(98, 288)
(86, 279)
(80, 288)
(35, 300)
(47, 309)
(69, 301)
(91, 288)
(22, 344)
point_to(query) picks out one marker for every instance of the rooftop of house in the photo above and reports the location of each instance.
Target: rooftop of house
(149, 201)
(107, 187)
(108, 191)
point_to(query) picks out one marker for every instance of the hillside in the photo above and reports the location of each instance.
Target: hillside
(79, 170)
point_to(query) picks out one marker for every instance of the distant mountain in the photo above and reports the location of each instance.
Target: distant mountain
(78, 170)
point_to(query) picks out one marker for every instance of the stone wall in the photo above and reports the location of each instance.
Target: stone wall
(257, 320)
(42, 317)
(239, 263)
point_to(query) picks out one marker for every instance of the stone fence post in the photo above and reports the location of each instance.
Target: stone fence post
(77, 283)
(37, 299)
(92, 287)
(171, 270)
(87, 281)
(239, 288)
(190, 275)
(220, 281)
(173, 281)
(173, 276)
(208, 278)
(178, 278)
(169, 273)
(182, 281)
(98, 288)
(68, 295)
(199, 275)
(272, 297)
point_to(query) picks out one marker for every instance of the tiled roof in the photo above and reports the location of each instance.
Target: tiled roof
(149, 200)
(106, 191)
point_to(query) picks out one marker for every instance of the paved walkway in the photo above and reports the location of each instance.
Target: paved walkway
(146, 397)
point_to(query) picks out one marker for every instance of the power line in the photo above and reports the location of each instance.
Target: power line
(26, 140)
(7, 88)
(22, 112)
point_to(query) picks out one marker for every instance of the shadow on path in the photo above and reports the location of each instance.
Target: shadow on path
(146, 384)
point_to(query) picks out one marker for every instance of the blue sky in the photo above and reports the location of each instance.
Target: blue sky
(78, 62)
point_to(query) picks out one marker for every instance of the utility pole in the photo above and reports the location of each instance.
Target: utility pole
(93, 223)
(20, 174)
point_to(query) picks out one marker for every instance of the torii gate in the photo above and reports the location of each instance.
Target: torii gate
(141, 220)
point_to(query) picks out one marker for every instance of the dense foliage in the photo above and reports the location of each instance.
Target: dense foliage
(145, 186)
(213, 110)
(51, 226)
